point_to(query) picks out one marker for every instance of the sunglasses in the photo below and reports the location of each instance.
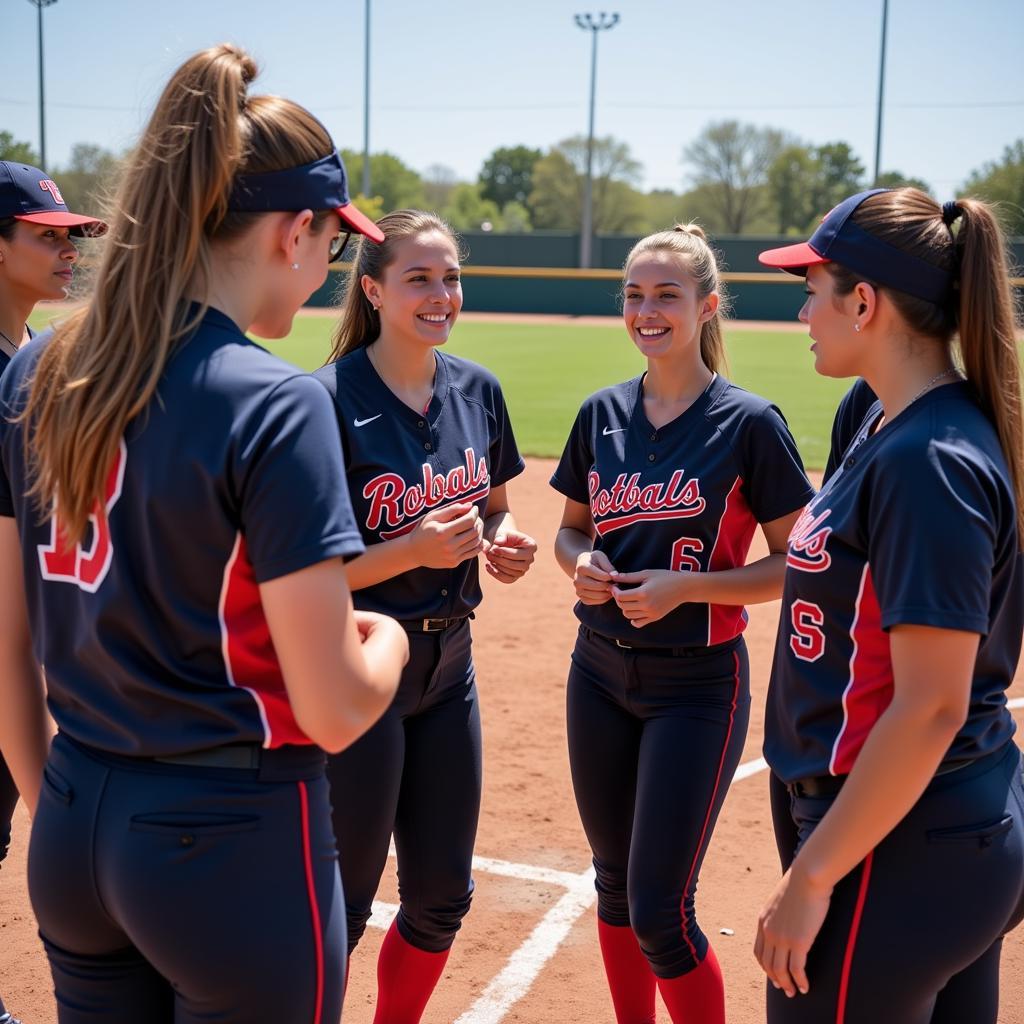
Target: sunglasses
(337, 246)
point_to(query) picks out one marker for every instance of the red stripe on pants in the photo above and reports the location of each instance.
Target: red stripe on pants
(314, 908)
(851, 942)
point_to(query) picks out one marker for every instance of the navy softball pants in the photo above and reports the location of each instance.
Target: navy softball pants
(8, 801)
(913, 934)
(654, 741)
(417, 773)
(169, 894)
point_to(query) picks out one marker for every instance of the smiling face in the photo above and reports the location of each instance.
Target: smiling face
(419, 295)
(830, 319)
(38, 262)
(661, 306)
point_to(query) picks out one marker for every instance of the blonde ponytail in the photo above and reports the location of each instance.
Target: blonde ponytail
(102, 367)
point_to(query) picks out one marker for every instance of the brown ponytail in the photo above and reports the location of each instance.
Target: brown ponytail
(690, 244)
(102, 367)
(979, 310)
(359, 323)
(988, 343)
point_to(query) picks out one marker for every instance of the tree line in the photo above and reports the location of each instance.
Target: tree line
(741, 179)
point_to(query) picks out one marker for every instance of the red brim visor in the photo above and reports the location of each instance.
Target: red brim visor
(358, 221)
(90, 227)
(794, 258)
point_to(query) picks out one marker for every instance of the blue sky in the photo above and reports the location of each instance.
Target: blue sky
(453, 80)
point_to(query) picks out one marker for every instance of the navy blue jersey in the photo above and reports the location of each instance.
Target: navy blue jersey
(685, 496)
(918, 527)
(402, 464)
(152, 632)
(850, 416)
(5, 358)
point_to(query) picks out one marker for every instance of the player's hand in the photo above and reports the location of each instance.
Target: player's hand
(787, 928)
(509, 555)
(447, 536)
(650, 595)
(593, 576)
(382, 629)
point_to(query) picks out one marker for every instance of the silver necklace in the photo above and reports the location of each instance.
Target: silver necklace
(9, 347)
(945, 373)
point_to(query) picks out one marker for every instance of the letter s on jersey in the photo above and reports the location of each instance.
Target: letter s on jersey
(807, 641)
(86, 569)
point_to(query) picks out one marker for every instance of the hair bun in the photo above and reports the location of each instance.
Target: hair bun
(692, 229)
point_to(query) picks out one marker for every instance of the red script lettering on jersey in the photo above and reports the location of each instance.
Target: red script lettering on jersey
(627, 502)
(807, 542)
(394, 503)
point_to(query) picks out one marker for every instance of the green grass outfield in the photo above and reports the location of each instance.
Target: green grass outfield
(546, 370)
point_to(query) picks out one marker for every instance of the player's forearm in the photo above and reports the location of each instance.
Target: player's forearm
(755, 583)
(569, 545)
(381, 562)
(895, 765)
(498, 522)
(25, 726)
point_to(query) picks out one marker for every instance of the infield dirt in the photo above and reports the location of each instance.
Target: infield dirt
(523, 637)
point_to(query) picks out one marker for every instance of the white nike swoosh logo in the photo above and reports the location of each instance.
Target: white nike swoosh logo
(617, 430)
(362, 423)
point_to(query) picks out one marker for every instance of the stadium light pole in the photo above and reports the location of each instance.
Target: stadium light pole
(592, 25)
(366, 105)
(39, 5)
(881, 92)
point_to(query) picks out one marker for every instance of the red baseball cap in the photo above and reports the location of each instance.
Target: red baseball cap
(26, 193)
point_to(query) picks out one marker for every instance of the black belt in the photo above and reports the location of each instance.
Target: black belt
(817, 785)
(234, 755)
(429, 625)
(693, 651)
(829, 785)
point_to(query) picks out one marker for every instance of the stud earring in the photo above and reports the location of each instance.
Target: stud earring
(295, 266)
(856, 327)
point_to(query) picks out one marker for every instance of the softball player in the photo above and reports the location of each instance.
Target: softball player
(901, 629)
(428, 451)
(666, 477)
(37, 258)
(186, 592)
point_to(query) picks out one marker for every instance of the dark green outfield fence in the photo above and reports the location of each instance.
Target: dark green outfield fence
(536, 273)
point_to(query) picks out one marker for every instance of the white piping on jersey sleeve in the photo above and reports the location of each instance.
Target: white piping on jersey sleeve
(224, 642)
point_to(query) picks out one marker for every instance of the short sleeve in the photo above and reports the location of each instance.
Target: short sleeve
(571, 476)
(505, 460)
(6, 496)
(774, 481)
(932, 518)
(848, 420)
(294, 499)
(9, 437)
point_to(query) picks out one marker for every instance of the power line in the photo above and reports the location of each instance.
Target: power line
(644, 105)
(638, 105)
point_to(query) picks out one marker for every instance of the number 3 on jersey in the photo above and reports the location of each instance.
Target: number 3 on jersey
(86, 569)
(807, 641)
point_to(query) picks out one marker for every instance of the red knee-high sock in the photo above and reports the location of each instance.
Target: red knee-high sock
(629, 974)
(406, 977)
(697, 997)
